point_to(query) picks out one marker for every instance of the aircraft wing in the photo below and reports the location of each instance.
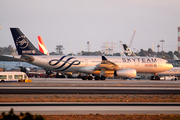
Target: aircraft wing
(107, 65)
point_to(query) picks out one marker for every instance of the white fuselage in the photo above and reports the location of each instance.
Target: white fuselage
(76, 63)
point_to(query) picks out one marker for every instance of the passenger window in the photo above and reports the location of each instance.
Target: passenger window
(18, 76)
(15, 76)
(3, 77)
(9, 76)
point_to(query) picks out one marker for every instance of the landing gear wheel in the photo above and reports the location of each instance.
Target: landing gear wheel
(84, 78)
(90, 78)
(157, 78)
(96, 78)
(103, 77)
(152, 77)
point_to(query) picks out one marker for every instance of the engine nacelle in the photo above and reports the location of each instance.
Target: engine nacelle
(126, 73)
(25, 69)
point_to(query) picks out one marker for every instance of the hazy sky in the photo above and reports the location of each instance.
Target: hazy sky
(75, 22)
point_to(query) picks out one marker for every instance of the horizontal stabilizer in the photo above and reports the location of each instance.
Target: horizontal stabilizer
(27, 58)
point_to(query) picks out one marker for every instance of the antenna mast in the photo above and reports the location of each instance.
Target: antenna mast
(132, 38)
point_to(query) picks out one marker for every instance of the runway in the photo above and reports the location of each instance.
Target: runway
(92, 108)
(107, 82)
(78, 86)
(88, 90)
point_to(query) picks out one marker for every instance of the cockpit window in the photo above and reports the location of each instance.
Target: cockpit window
(168, 62)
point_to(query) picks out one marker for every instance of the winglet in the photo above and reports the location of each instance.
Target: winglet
(104, 58)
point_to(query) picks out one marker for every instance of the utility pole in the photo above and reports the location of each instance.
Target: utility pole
(88, 46)
(162, 46)
(132, 38)
(158, 47)
(69, 48)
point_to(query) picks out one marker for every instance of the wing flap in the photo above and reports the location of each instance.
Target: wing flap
(107, 65)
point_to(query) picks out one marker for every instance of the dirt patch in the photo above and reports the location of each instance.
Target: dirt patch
(88, 98)
(112, 117)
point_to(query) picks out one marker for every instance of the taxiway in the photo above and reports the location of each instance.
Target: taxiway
(92, 108)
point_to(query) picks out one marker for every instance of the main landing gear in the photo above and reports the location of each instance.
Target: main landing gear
(95, 78)
(155, 78)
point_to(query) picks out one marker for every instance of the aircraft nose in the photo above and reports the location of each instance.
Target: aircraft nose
(170, 66)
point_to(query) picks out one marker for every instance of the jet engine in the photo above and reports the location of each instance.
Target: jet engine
(126, 73)
(24, 69)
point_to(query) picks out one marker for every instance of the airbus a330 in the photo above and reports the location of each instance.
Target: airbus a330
(99, 66)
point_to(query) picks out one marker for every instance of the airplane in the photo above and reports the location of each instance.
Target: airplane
(24, 66)
(175, 61)
(100, 67)
(175, 71)
(128, 52)
(42, 47)
(175, 57)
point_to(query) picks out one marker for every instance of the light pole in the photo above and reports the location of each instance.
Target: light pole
(162, 45)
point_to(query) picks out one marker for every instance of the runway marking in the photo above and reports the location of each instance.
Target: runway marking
(87, 88)
(14, 83)
(118, 84)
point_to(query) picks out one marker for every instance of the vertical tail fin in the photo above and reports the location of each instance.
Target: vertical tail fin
(23, 45)
(42, 47)
(128, 51)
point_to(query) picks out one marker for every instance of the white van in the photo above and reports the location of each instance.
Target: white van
(13, 76)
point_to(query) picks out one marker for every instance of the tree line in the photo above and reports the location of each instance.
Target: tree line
(59, 51)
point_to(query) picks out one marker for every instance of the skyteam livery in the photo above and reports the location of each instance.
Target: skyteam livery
(99, 66)
(175, 71)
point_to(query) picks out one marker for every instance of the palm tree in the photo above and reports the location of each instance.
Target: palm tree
(59, 49)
